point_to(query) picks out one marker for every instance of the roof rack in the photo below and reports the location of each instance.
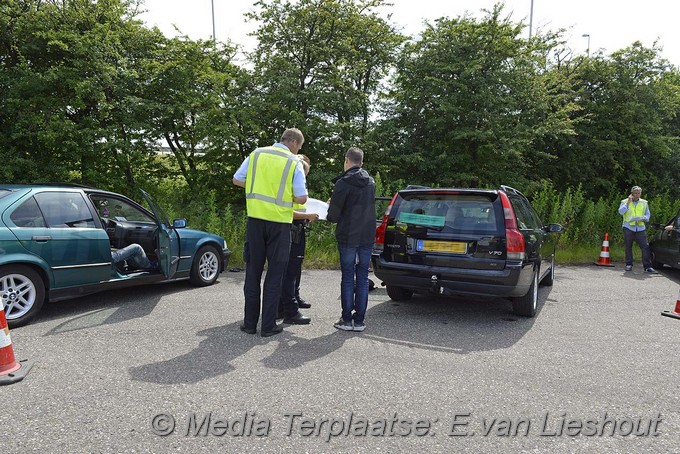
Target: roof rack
(510, 189)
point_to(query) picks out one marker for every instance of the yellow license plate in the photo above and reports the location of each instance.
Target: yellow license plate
(452, 247)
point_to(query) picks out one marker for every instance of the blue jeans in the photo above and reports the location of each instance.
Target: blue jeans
(640, 238)
(354, 262)
(135, 256)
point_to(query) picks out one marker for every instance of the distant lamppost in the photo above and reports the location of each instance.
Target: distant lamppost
(212, 3)
(586, 35)
(531, 18)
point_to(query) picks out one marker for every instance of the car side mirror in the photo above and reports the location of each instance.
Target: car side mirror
(179, 223)
(553, 228)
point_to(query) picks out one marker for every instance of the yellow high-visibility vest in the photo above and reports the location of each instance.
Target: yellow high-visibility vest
(269, 184)
(635, 211)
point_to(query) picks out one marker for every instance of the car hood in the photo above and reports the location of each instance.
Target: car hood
(196, 234)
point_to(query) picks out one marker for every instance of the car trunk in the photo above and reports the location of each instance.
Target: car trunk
(461, 229)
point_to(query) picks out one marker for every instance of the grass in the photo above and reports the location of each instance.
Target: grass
(322, 250)
(587, 254)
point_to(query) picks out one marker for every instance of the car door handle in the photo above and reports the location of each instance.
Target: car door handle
(41, 238)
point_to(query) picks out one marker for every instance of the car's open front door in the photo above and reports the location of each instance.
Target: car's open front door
(167, 237)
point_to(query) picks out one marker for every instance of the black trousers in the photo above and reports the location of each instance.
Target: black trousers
(265, 241)
(291, 279)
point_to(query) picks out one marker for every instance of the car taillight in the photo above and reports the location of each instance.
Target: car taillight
(380, 230)
(514, 239)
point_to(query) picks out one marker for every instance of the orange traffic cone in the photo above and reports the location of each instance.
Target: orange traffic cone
(676, 312)
(11, 371)
(604, 253)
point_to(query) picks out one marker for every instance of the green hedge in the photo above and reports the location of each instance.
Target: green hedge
(585, 221)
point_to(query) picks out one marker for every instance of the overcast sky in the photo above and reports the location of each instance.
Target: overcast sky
(611, 24)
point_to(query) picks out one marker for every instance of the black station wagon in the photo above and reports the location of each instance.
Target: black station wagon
(465, 241)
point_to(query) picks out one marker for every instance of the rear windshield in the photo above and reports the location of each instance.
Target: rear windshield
(448, 212)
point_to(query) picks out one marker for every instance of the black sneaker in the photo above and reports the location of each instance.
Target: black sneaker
(302, 304)
(629, 267)
(272, 332)
(650, 270)
(243, 328)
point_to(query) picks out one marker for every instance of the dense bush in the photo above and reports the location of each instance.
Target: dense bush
(585, 221)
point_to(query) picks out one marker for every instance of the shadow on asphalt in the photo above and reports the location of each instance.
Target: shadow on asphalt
(108, 307)
(638, 274)
(444, 324)
(671, 273)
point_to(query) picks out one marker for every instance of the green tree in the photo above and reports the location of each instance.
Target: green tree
(627, 127)
(469, 101)
(318, 64)
(195, 88)
(71, 87)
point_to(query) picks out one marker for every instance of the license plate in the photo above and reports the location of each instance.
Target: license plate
(452, 247)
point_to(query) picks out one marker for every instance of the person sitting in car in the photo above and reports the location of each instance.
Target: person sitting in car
(135, 257)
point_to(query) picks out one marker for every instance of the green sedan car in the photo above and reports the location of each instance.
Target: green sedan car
(56, 242)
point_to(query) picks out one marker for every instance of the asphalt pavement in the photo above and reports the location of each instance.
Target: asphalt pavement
(165, 368)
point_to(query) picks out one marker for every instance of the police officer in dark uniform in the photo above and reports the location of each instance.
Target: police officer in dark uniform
(289, 305)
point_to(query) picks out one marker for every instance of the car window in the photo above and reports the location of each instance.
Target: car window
(526, 219)
(452, 212)
(65, 210)
(537, 221)
(28, 215)
(117, 209)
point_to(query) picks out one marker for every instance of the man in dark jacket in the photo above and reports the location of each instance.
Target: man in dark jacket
(352, 207)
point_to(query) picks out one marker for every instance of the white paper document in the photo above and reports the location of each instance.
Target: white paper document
(318, 207)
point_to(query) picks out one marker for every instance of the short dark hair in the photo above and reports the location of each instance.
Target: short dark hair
(306, 163)
(305, 158)
(355, 155)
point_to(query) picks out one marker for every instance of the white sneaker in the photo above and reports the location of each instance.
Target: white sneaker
(343, 325)
(359, 326)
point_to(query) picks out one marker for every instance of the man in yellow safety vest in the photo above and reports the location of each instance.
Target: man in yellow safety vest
(273, 179)
(635, 213)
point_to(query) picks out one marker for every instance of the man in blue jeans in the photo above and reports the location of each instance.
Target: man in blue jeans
(135, 256)
(635, 212)
(352, 207)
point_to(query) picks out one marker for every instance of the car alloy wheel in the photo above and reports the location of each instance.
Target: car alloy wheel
(206, 266)
(22, 292)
